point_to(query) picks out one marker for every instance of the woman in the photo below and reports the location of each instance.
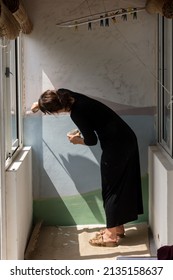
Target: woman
(120, 168)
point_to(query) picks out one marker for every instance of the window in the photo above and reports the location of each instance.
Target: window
(165, 84)
(11, 97)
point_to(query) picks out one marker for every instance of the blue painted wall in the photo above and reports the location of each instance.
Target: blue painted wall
(66, 178)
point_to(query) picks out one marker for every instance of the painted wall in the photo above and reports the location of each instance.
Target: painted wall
(114, 64)
(160, 196)
(18, 201)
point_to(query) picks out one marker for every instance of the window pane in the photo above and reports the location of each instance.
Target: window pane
(165, 83)
(166, 119)
(167, 78)
(13, 100)
(11, 97)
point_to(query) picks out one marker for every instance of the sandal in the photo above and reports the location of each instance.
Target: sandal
(98, 241)
(101, 232)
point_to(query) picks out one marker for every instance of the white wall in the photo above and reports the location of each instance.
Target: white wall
(115, 63)
(19, 204)
(160, 196)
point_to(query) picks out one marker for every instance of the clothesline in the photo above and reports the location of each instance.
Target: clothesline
(101, 16)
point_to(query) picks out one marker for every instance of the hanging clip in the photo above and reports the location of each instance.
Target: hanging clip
(106, 20)
(134, 13)
(124, 17)
(114, 19)
(114, 16)
(89, 26)
(101, 21)
(76, 26)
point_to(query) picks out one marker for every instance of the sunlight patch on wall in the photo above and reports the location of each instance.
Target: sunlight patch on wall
(46, 82)
(57, 173)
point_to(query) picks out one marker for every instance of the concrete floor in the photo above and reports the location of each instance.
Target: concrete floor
(71, 243)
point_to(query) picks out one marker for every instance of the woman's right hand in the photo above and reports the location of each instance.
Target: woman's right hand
(75, 138)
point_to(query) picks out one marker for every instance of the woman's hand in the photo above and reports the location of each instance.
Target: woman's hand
(34, 107)
(75, 138)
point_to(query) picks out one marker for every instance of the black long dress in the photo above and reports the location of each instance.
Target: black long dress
(120, 167)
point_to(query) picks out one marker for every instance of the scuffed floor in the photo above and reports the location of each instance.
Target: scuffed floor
(71, 243)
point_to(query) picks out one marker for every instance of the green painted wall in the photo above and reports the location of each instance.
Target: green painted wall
(79, 209)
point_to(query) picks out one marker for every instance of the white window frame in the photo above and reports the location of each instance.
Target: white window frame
(12, 80)
(165, 77)
(2, 163)
(6, 126)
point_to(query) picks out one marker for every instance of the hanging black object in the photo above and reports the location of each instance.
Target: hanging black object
(135, 13)
(106, 20)
(76, 26)
(101, 21)
(89, 26)
(124, 17)
(103, 18)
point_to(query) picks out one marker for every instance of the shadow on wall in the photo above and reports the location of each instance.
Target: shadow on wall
(80, 181)
(66, 177)
(73, 192)
(66, 185)
(79, 169)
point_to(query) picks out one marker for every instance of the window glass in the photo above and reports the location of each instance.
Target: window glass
(11, 70)
(167, 65)
(165, 83)
(13, 98)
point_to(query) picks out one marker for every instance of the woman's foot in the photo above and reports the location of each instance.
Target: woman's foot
(107, 239)
(120, 232)
(110, 234)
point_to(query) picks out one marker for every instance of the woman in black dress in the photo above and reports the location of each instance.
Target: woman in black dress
(120, 167)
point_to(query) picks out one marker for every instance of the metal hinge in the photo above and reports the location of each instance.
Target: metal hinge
(7, 72)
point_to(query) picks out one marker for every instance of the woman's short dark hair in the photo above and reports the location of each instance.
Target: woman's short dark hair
(51, 101)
